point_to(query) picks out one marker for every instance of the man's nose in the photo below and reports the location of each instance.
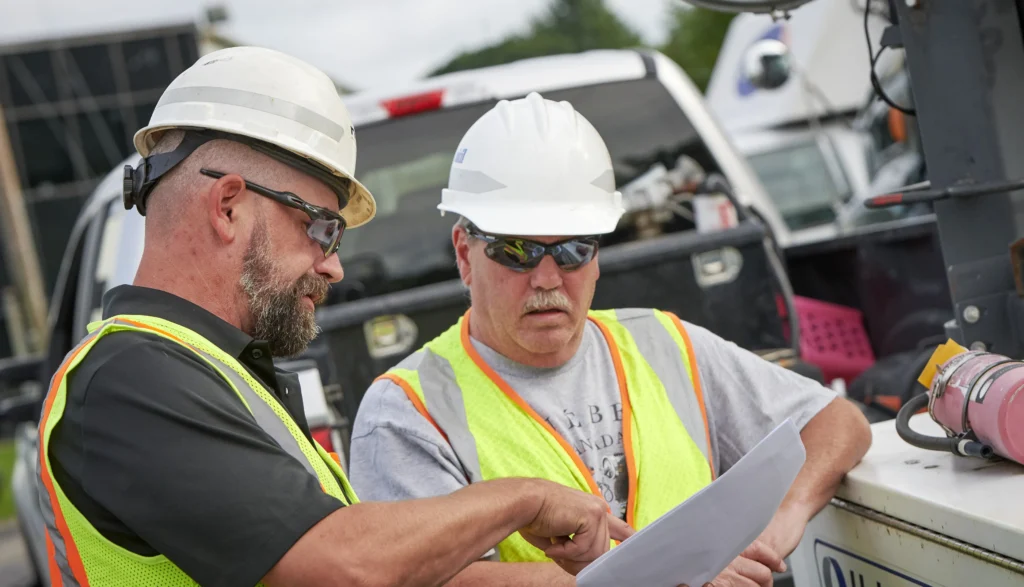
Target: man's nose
(330, 267)
(546, 275)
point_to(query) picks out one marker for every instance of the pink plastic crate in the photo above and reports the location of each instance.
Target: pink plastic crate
(833, 338)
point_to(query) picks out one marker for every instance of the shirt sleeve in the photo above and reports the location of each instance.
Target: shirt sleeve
(746, 397)
(396, 453)
(158, 439)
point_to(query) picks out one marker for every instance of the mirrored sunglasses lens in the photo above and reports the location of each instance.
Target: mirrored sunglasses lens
(574, 254)
(515, 254)
(515, 251)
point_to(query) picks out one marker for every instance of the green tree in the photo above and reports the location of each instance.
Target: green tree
(568, 26)
(694, 39)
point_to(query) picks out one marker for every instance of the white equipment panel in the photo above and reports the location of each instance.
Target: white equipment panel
(911, 517)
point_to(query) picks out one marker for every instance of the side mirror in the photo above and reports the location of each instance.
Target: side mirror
(17, 370)
(770, 6)
(767, 64)
(20, 390)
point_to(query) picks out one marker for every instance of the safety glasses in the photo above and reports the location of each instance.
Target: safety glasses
(520, 254)
(325, 226)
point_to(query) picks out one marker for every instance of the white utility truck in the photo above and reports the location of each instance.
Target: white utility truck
(807, 125)
(936, 500)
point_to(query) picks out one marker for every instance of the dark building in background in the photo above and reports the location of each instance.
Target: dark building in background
(72, 106)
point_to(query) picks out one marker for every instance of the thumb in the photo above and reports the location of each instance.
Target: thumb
(764, 554)
(618, 529)
(542, 542)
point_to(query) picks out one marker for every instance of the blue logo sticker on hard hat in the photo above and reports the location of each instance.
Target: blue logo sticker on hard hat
(778, 32)
(460, 155)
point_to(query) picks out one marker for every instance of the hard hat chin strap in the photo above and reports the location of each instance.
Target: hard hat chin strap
(140, 181)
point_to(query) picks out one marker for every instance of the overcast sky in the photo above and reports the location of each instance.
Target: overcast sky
(360, 43)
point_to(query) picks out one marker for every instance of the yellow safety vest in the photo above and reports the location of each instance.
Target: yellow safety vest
(495, 434)
(78, 554)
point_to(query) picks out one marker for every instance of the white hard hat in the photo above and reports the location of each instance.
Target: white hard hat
(272, 101)
(534, 167)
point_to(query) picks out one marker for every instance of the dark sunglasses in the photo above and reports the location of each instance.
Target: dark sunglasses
(520, 254)
(325, 226)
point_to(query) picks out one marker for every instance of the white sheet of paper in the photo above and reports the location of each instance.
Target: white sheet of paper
(695, 541)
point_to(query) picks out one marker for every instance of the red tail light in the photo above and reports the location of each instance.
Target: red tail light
(406, 105)
(323, 436)
(780, 306)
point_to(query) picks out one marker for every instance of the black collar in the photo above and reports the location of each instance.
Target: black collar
(131, 299)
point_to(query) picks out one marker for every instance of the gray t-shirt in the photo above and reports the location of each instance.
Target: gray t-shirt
(397, 454)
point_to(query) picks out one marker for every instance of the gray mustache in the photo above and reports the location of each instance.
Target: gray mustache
(551, 299)
(314, 287)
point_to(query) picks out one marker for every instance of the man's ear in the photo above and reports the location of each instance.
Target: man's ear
(223, 199)
(460, 240)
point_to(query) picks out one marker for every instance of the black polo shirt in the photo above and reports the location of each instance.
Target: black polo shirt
(161, 456)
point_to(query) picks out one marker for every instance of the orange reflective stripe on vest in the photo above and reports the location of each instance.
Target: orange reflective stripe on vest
(627, 421)
(696, 384)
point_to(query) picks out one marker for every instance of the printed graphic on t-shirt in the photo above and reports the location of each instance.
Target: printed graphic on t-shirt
(613, 481)
(596, 435)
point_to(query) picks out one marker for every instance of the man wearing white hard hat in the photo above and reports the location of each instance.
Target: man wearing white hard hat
(172, 451)
(633, 405)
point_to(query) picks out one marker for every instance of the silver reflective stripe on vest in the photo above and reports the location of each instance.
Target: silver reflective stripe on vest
(443, 399)
(264, 415)
(60, 551)
(661, 352)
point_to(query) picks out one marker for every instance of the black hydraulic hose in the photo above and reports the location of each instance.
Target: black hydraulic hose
(716, 183)
(787, 295)
(916, 438)
(970, 448)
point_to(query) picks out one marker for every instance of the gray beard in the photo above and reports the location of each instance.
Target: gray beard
(277, 311)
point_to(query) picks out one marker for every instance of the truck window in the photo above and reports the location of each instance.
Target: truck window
(66, 297)
(105, 260)
(799, 181)
(405, 163)
(111, 258)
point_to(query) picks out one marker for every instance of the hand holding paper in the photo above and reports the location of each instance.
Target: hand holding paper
(696, 541)
(756, 563)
